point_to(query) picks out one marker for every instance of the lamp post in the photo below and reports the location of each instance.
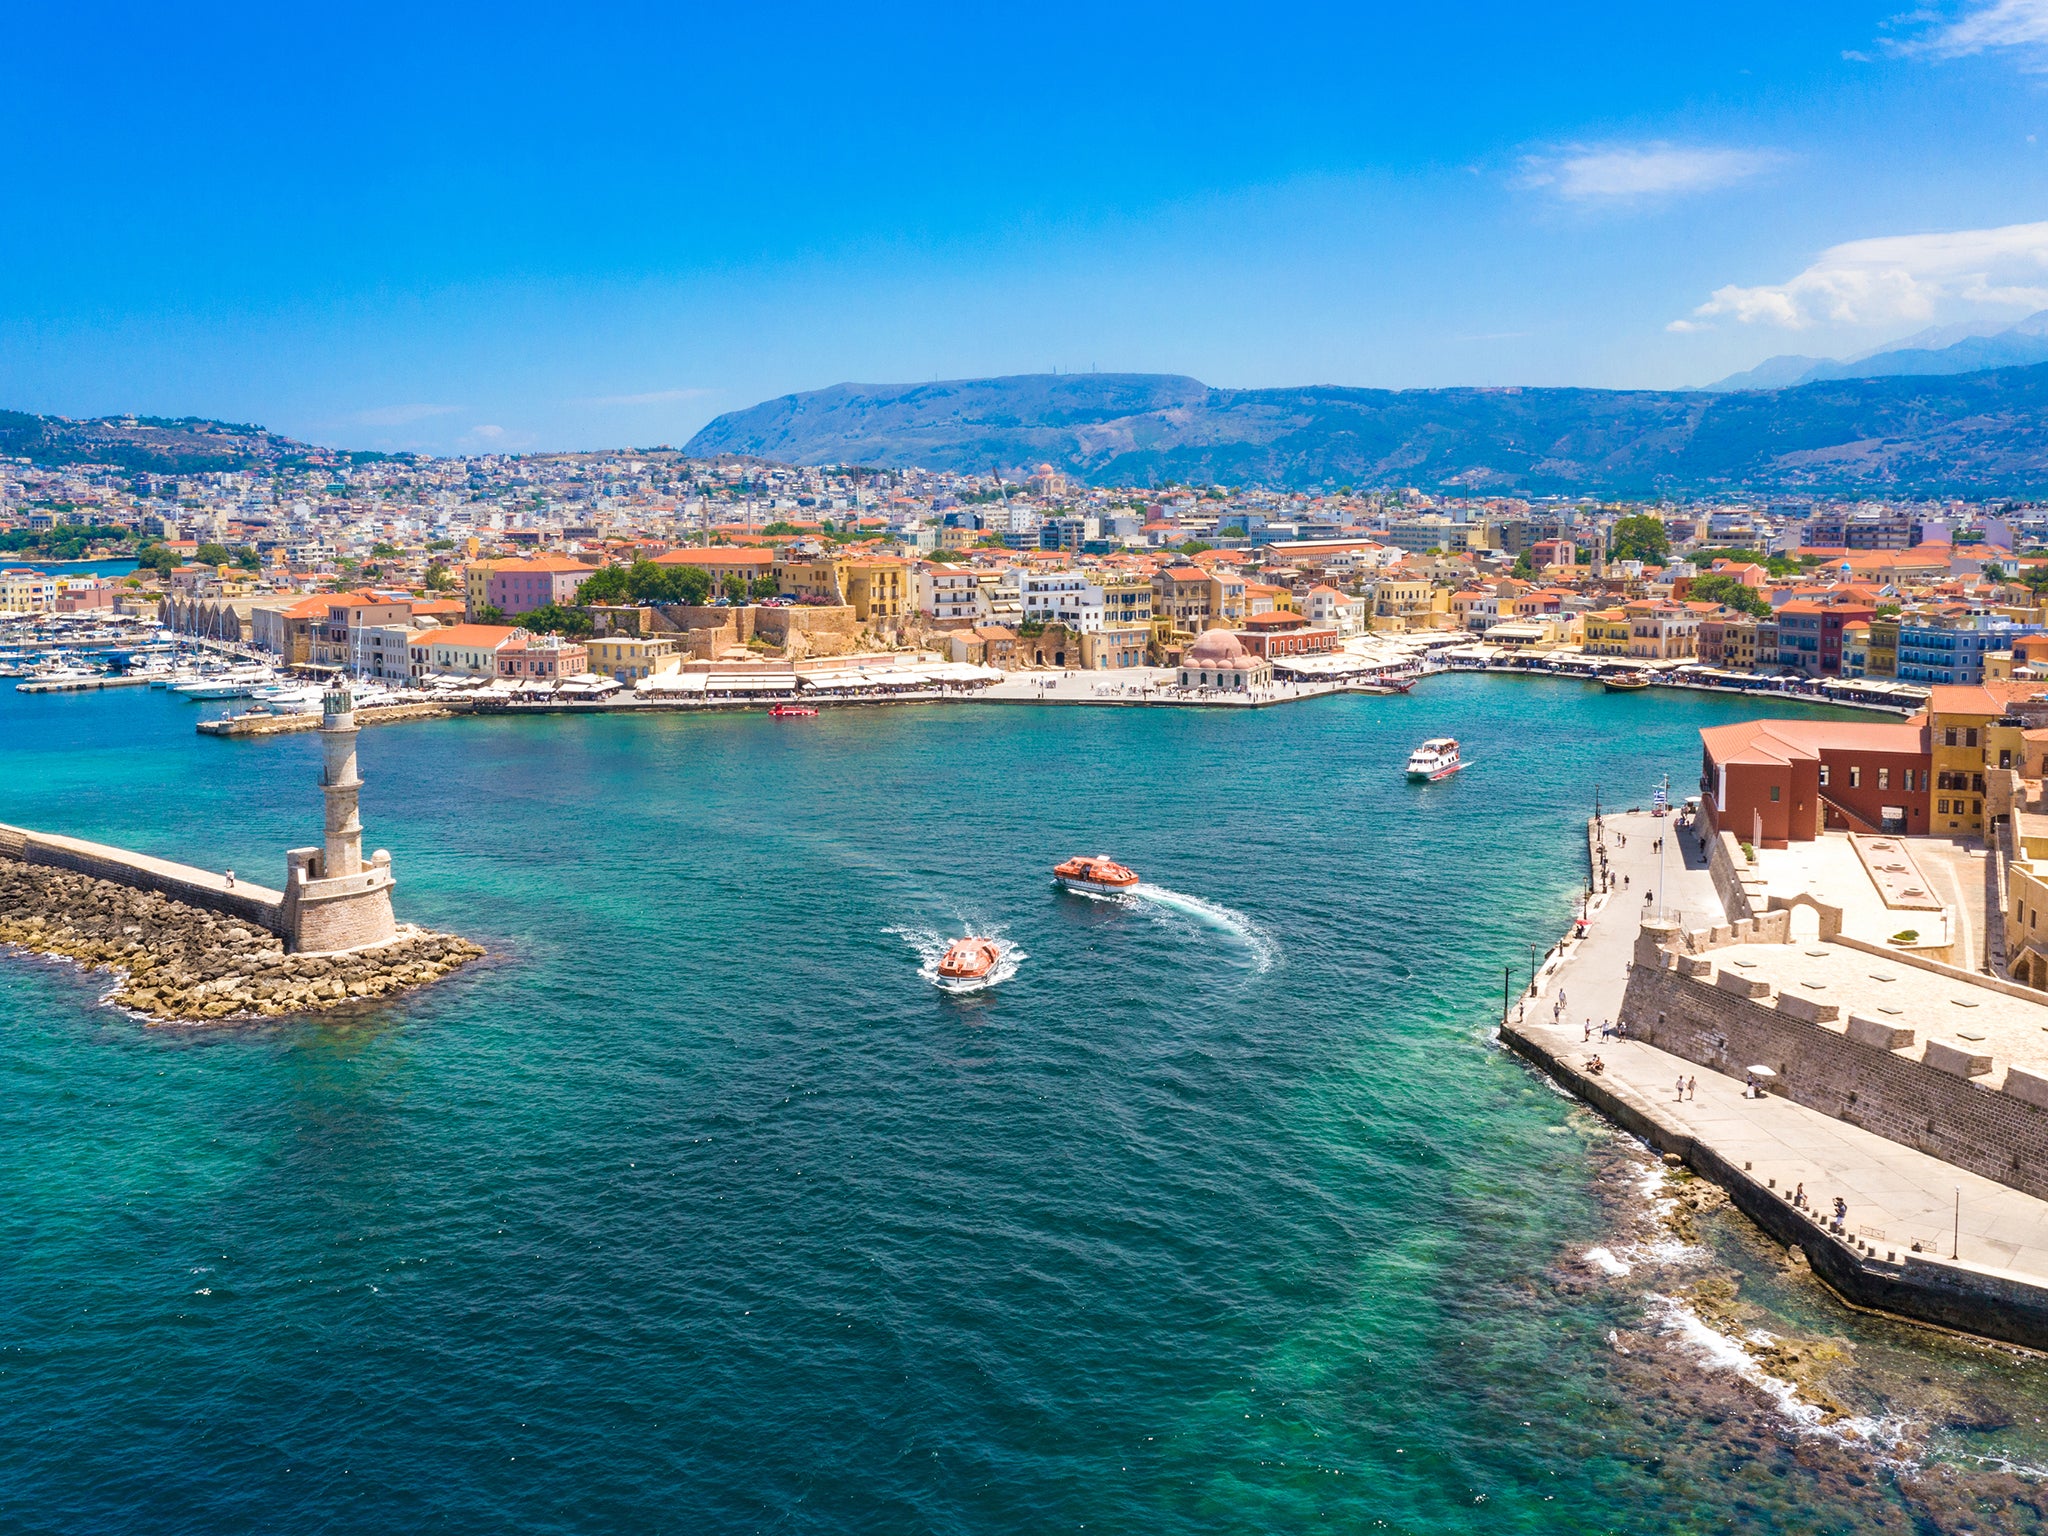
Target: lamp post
(1532, 970)
(1507, 973)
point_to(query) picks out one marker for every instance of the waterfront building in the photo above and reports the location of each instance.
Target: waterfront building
(26, 591)
(1404, 602)
(460, 650)
(286, 627)
(874, 586)
(1340, 611)
(340, 640)
(1217, 659)
(628, 658)
(1728, 640)
(526, 657)
(1607, 633)
(1661, 630)
(1285, 634)
(1947, 646)
(1856, 649)
(949, 593)
(1775, 782)
(1061, 597)
(1810, 634)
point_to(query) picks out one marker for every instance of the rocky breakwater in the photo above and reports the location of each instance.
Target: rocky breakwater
(181, 962)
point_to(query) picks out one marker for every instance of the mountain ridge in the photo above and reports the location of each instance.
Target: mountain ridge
(1983, 433)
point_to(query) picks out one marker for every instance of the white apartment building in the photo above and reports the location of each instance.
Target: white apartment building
(950, 592)
(1061, 597)
(1326, 606)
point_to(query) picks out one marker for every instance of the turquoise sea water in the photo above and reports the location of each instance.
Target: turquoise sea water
(696, 1209)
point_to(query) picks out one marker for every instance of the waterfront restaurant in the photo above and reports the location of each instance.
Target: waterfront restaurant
(1777, 782)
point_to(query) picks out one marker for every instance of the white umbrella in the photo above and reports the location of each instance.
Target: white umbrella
(1761, 1072)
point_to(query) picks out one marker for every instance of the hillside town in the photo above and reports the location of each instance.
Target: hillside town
(625, 569)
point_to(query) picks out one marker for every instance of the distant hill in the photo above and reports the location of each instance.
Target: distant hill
(1968, 434)
(1949, 349)
(153, 444)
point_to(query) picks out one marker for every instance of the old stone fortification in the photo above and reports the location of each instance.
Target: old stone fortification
(1681, 1003)
(708, 633)
(181, 961)
(1735, 879)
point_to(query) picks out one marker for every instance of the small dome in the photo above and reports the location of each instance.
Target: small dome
(1217, 648)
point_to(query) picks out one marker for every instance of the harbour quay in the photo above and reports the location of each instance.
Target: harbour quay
(1820, 981)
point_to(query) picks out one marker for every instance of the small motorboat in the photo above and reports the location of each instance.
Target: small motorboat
(792, 712)
(968, 959)
(1099, 876)
(1625, 683)
(1435, 759)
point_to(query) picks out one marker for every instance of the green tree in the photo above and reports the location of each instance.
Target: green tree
(1195, 547)
(488, 613)
(383, 551)
(761, 586)
(733, 589)
(645, 582)
(1523, 567)
(553, 619)
(438, 579)
(1641, 538)
(214, 554)
(1730, 593)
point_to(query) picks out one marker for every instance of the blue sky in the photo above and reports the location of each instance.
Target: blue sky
(462, 229)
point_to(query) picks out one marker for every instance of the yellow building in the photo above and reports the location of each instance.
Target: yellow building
(1607, 633)
(1969, 732)
(476, 583)
(874, 586)
(629, 658)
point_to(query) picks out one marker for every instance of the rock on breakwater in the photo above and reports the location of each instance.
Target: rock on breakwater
(181, 962)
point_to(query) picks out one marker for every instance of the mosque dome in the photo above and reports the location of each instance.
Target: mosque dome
(1216, 648)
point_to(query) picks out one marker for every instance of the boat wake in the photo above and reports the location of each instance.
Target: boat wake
(1209, 914)
(931, 948)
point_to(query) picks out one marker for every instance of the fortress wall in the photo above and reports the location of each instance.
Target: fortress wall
(181, 882)
(1985, 1130)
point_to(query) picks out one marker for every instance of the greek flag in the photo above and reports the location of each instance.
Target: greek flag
(1660, 802)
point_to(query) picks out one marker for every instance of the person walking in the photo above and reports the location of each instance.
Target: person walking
(1681, 1088)
(1692, 1087)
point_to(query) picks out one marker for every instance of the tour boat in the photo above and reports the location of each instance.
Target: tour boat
(792, 712)
(1099, 876)
(1626, 683)
(968, 959)
(1437, 758)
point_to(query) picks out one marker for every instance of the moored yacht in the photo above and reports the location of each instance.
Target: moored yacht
(1437, 758)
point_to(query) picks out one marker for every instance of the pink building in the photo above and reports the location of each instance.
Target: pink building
(520, 586)
(530, 658)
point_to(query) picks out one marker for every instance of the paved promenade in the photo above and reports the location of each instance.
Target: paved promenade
(1896, 1196)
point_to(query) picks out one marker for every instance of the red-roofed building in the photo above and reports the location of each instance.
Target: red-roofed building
(1776, 782)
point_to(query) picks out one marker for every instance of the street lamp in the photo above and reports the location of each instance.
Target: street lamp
(1532, 970)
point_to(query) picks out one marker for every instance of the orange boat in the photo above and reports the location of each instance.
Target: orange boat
(1099, 876)
(792, 712)
(968, 959)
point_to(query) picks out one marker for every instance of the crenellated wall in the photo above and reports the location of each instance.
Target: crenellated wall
(1677, 1002)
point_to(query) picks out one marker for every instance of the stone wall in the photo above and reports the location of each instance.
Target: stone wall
(1985, 1130)
(1727, 866)
(181, 882)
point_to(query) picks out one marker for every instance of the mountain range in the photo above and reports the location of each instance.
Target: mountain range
(160, 445)
(1944, 349)
(1983, 433)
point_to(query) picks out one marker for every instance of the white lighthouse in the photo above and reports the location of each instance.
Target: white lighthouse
(332, 899)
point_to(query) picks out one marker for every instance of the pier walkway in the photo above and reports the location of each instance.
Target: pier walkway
(1896, 1196)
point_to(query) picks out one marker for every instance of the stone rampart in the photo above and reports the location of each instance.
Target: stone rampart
(1727, 866)
(181, 882)
(1913, 1102)
(1990, 1303)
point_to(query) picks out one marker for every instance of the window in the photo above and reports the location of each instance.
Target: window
(1976, 807)
(1884, 778)
(1970, 736)
(1774, 794)
(1856, 777)
(1941, 807)
(1949, 736)
(1823, 775)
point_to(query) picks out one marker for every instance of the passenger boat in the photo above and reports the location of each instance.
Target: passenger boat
(1625, 683)
(968, 959)
(1099, 876)
(1437, 758)
(792, 712)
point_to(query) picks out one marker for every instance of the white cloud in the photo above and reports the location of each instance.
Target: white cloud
(402, 415)
(1987, 26)
(653, 397)
(1622, 172)
(488, 432)
(1900, 277)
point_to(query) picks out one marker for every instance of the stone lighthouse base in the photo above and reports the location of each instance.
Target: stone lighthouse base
(322, 914)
